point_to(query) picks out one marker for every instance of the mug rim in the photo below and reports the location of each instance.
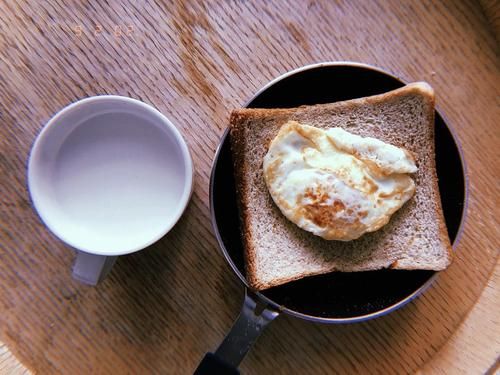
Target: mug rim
(166, 124)
(314, 318)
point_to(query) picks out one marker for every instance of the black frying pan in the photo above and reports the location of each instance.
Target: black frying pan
(336, 297)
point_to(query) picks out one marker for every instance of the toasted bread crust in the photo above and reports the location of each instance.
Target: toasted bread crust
(260, 125)
(237, 149)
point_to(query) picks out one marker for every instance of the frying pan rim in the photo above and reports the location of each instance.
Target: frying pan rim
(314, 318)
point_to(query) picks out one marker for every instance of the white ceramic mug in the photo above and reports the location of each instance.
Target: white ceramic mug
(109, 175)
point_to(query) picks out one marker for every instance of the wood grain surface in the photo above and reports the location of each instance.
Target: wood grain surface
(161, 309)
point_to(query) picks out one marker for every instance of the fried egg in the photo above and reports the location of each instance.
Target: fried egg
(335, 184)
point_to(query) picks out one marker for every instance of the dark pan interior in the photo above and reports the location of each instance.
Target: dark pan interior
(338, 295)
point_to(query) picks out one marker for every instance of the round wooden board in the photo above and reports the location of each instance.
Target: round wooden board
(162, 309)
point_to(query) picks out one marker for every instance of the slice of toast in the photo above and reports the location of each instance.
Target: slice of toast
(277, 251)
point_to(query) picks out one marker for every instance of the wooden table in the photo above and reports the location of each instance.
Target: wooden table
(159, 311)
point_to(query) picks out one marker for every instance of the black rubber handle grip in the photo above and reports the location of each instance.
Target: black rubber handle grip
(211, 364)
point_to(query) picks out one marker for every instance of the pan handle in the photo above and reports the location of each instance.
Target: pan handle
(245, 331)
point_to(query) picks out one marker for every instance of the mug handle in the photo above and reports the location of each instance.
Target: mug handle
(91, 268)
(245, 331)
